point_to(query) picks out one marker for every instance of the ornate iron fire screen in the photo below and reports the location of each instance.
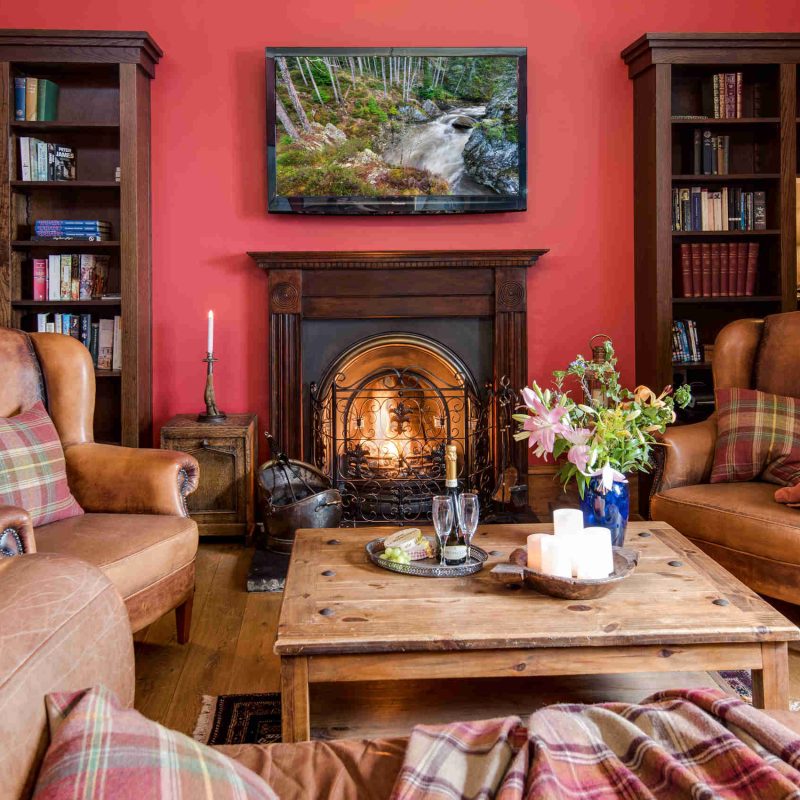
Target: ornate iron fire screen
(382, 416)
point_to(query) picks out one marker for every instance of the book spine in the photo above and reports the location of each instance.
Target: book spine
(19, 99)
(739, 93)
(116, 356)
(31, 98)
(726, 154)
(752, 268)
(25, 158)
(707, 153)
(51, 162)
(39, 279)
(696, 210)
(86, 329)
(75, 279)
(58, 324)
(686, 270)
(66, 277)
(704, 224)
(686, 212)
(717, 115)
(759, 211)
(697, 152)
(41, 163)
(47, 100)
(741, 268)
(730, 95)
(715, 268)
(87, 276)
(105, 344)
(723, 269)
(33, 154)
(54, 277)
(41, 323)
(684, 337)
(698, 351)
(95, 332)
(697, 270)
(75, 326)
(706, 263)
(676, 210)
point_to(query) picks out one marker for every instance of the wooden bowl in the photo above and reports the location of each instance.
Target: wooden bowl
(516, 573)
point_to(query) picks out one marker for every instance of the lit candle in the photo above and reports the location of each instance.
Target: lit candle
(567, 519)
(555, 558)
(596, 558)
(535, 550)
(210, 332)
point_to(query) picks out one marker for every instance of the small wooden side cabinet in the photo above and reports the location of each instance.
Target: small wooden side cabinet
(224, 502)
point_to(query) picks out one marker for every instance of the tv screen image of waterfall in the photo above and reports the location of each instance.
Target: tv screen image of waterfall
(359, 125)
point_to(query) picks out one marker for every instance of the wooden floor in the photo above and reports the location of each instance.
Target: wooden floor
(230, 652)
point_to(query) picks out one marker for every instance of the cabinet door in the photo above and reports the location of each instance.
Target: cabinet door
(218, 504)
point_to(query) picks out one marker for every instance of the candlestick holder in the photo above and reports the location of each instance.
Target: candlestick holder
(213, 414)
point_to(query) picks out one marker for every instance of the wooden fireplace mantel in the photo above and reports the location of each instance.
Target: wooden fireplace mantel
(371, 285)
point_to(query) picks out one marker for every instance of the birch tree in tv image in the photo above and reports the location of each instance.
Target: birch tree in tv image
(374, 126)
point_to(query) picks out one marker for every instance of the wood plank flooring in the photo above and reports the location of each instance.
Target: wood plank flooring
(230, 652)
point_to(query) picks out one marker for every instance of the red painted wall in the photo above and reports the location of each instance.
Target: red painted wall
(209, 174)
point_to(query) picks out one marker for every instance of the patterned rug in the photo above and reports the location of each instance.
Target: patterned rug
(256, 718)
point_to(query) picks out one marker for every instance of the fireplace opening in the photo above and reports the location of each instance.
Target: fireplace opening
(382, 413)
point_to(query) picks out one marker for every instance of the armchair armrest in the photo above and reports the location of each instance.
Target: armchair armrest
(15, 529)
(125, 480)
(687, 455)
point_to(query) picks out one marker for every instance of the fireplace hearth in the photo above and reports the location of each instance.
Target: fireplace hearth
(377, 360)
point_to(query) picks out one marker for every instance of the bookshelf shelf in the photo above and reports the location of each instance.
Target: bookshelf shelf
(766, 298)
(740, 176)
(684, 365)
(27, 185)
(102, 114)
(703, 121)
(727, 234)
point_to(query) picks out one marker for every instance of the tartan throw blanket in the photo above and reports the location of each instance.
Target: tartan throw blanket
(699, 744)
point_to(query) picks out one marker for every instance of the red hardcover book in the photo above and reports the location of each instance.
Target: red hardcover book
(40, 279)
(723, 268)
(705, 249)
(686, 270)
(741, 269)
(730, 95)
(697, 270)
(752, 268)
(715, 267)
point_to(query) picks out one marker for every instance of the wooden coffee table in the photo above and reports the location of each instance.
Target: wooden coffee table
(344, 619)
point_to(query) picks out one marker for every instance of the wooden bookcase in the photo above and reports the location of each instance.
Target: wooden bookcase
(104, 115)
(672, 77)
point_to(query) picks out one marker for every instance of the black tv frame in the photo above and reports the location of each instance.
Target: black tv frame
(390, 205)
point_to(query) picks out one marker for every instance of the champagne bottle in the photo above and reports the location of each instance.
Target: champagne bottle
(455, 547)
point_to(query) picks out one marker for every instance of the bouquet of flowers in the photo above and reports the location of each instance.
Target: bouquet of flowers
(609, 432)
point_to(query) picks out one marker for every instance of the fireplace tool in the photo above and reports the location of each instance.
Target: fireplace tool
(294, 495)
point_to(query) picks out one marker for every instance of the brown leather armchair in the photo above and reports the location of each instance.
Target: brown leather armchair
(738, 524)
(136, 528)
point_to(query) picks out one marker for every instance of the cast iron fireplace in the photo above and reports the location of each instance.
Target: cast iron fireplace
(377, 360)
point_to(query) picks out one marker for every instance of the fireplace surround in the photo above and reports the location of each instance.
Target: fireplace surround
(377, 359)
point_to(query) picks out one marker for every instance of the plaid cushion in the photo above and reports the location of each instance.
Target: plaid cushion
(758, 435)
(100, 750)
(33, 473)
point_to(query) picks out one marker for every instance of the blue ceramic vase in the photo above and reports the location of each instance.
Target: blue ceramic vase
(607, 508)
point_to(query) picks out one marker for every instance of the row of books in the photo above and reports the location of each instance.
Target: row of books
(102, 338)
(727, 208)
(92, 230)
(719, 269)
(35, 99)
(686, 347)
(46, 161)
(727, 88)
(711, 154)
(70, 276)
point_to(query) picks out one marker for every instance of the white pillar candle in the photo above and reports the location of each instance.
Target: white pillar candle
(535, 550)
(210, 332)
(567, 519)
(555, 558)
(596, 559)
(573, 541)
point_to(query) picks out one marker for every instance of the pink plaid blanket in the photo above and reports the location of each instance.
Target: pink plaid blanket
(699, 744)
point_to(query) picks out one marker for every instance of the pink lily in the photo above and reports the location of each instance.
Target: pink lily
(578, 454)
(544, 425)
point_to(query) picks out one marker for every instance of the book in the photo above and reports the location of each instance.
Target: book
(39, 279)
(74, 326)
(25, 158)
(19, 99)
(57, 323)
(47, 100)
(64, 164)
(100, 289)
(41, 161)
(697, 152)
(686, 270)
(75, 282)
(730, 95)
(105, 344)
(759, 211)
(697, 269)
(739, 93)
(686, 217)
(66, 276)
(708, 152)
(116, 356)
(31, 98)
(705, 249)
(54, 277)
(85, 329)
(752, 268)
(93, 337)
(715, 269)
(41, 323)
(87, 279)
(715, 82)
(741, 268)
(723, 269)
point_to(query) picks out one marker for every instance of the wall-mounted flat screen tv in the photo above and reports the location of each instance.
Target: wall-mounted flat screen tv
(396, 130)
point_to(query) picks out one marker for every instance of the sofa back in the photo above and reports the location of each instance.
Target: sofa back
(63, 627)
(760, 354)
(54, 368)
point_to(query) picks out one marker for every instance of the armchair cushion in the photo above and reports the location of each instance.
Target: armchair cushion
(101, 749)
(758, 435)
(789, 495)
(32, 468)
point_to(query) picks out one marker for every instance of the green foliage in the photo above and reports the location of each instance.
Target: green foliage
(375, 111)
(493, 129)
(286, 139)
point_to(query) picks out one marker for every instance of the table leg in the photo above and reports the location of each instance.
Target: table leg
(295, 718)
(771, 682)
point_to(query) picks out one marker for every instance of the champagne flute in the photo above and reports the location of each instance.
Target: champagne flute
(442, 513)
(469, 511)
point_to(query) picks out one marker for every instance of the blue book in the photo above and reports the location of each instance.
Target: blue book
(19, 99)
(696, 209)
